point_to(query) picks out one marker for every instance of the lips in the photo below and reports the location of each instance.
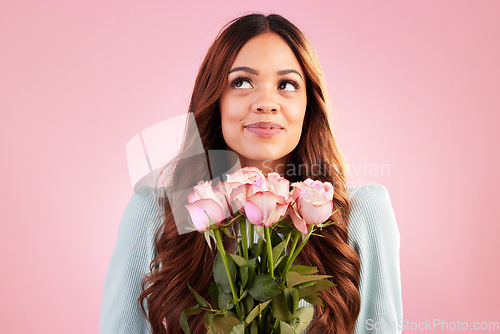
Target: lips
(265, 129)
(264, 125)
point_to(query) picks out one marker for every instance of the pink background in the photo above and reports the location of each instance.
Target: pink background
(414, 84)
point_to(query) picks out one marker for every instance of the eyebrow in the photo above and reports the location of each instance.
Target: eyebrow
(284, 72)
(255, 72)
(245, 69)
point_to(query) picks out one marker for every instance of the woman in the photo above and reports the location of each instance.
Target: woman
(259, 93)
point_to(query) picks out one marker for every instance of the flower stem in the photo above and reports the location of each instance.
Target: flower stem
(288, 237)
(257, 254)
(295, 252)
(251, 233)
(267, 231)
(243, 231)
(289, 257)
(223, 254)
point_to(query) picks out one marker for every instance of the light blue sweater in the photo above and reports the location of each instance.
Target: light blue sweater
(373, 234)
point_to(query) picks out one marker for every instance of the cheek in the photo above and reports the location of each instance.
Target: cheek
(223, 108)
(296, 122)
(296, 118)
(230, 110)
(229, 121)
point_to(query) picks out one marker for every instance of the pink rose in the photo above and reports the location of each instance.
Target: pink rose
(241, 184)
(267, 200)
(313, 203)
(246, 175)
(227, 188)
(278, 185)
(263, 200)
(241, 194)
(204, 200)
(265, 208)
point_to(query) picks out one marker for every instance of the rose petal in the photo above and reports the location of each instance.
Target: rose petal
(246, 175)
(298, 222)
(199, 217)
(278, 185)
(313, 196)
(268, 203)
(329, 190)
(253, 213)
(315, 214)
(295, 193)
(238, 197)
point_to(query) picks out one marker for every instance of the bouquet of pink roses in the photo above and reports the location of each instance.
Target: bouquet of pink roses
(255, 288)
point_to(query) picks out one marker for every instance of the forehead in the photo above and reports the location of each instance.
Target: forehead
(267, 51)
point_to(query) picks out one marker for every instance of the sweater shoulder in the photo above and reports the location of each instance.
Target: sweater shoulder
(141, 215)
(371, 215)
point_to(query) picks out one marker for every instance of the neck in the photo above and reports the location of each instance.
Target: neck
(267, 166)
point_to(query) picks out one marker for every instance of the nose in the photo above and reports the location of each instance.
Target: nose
(266, 102)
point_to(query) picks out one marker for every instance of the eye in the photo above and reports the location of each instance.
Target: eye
(241, 83)
(288, 85)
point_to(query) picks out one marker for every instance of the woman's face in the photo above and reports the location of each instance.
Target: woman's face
(263, 103)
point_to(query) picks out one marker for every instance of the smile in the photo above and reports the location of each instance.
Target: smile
(264, 128)
(264, 125)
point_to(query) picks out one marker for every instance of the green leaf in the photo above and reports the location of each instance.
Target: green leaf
(183, 323)
(292, 299)
(213, 291)
(325, 224)
(228, 233)
(211, 223)
(304, 315)
(183, 318)
(256, 251)
(286, 328)
(224, 300)
(253, 328)
(251, 268)
(263, 261)
(305, 284)
(275, 238)
(263, 287)
(248, 303)
(199, 298)
(277, 250)
(277, 264)
(208, 320)
(238, 329)
(231, 222)
(256, 311)
(244, 276)
(240, 261)
(285, 223)
(294, 278)
(314, 299)
(285, 227)
(220, 274)
(323, 284)
(225, 323)
(207, 238)
(280, 308)
(259, 229)
(315, 287)
(304, 270)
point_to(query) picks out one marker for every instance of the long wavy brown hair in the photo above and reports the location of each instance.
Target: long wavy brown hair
(186, 258)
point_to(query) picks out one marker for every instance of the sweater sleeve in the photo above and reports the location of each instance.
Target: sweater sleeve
(374, 234)
(131, 257)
